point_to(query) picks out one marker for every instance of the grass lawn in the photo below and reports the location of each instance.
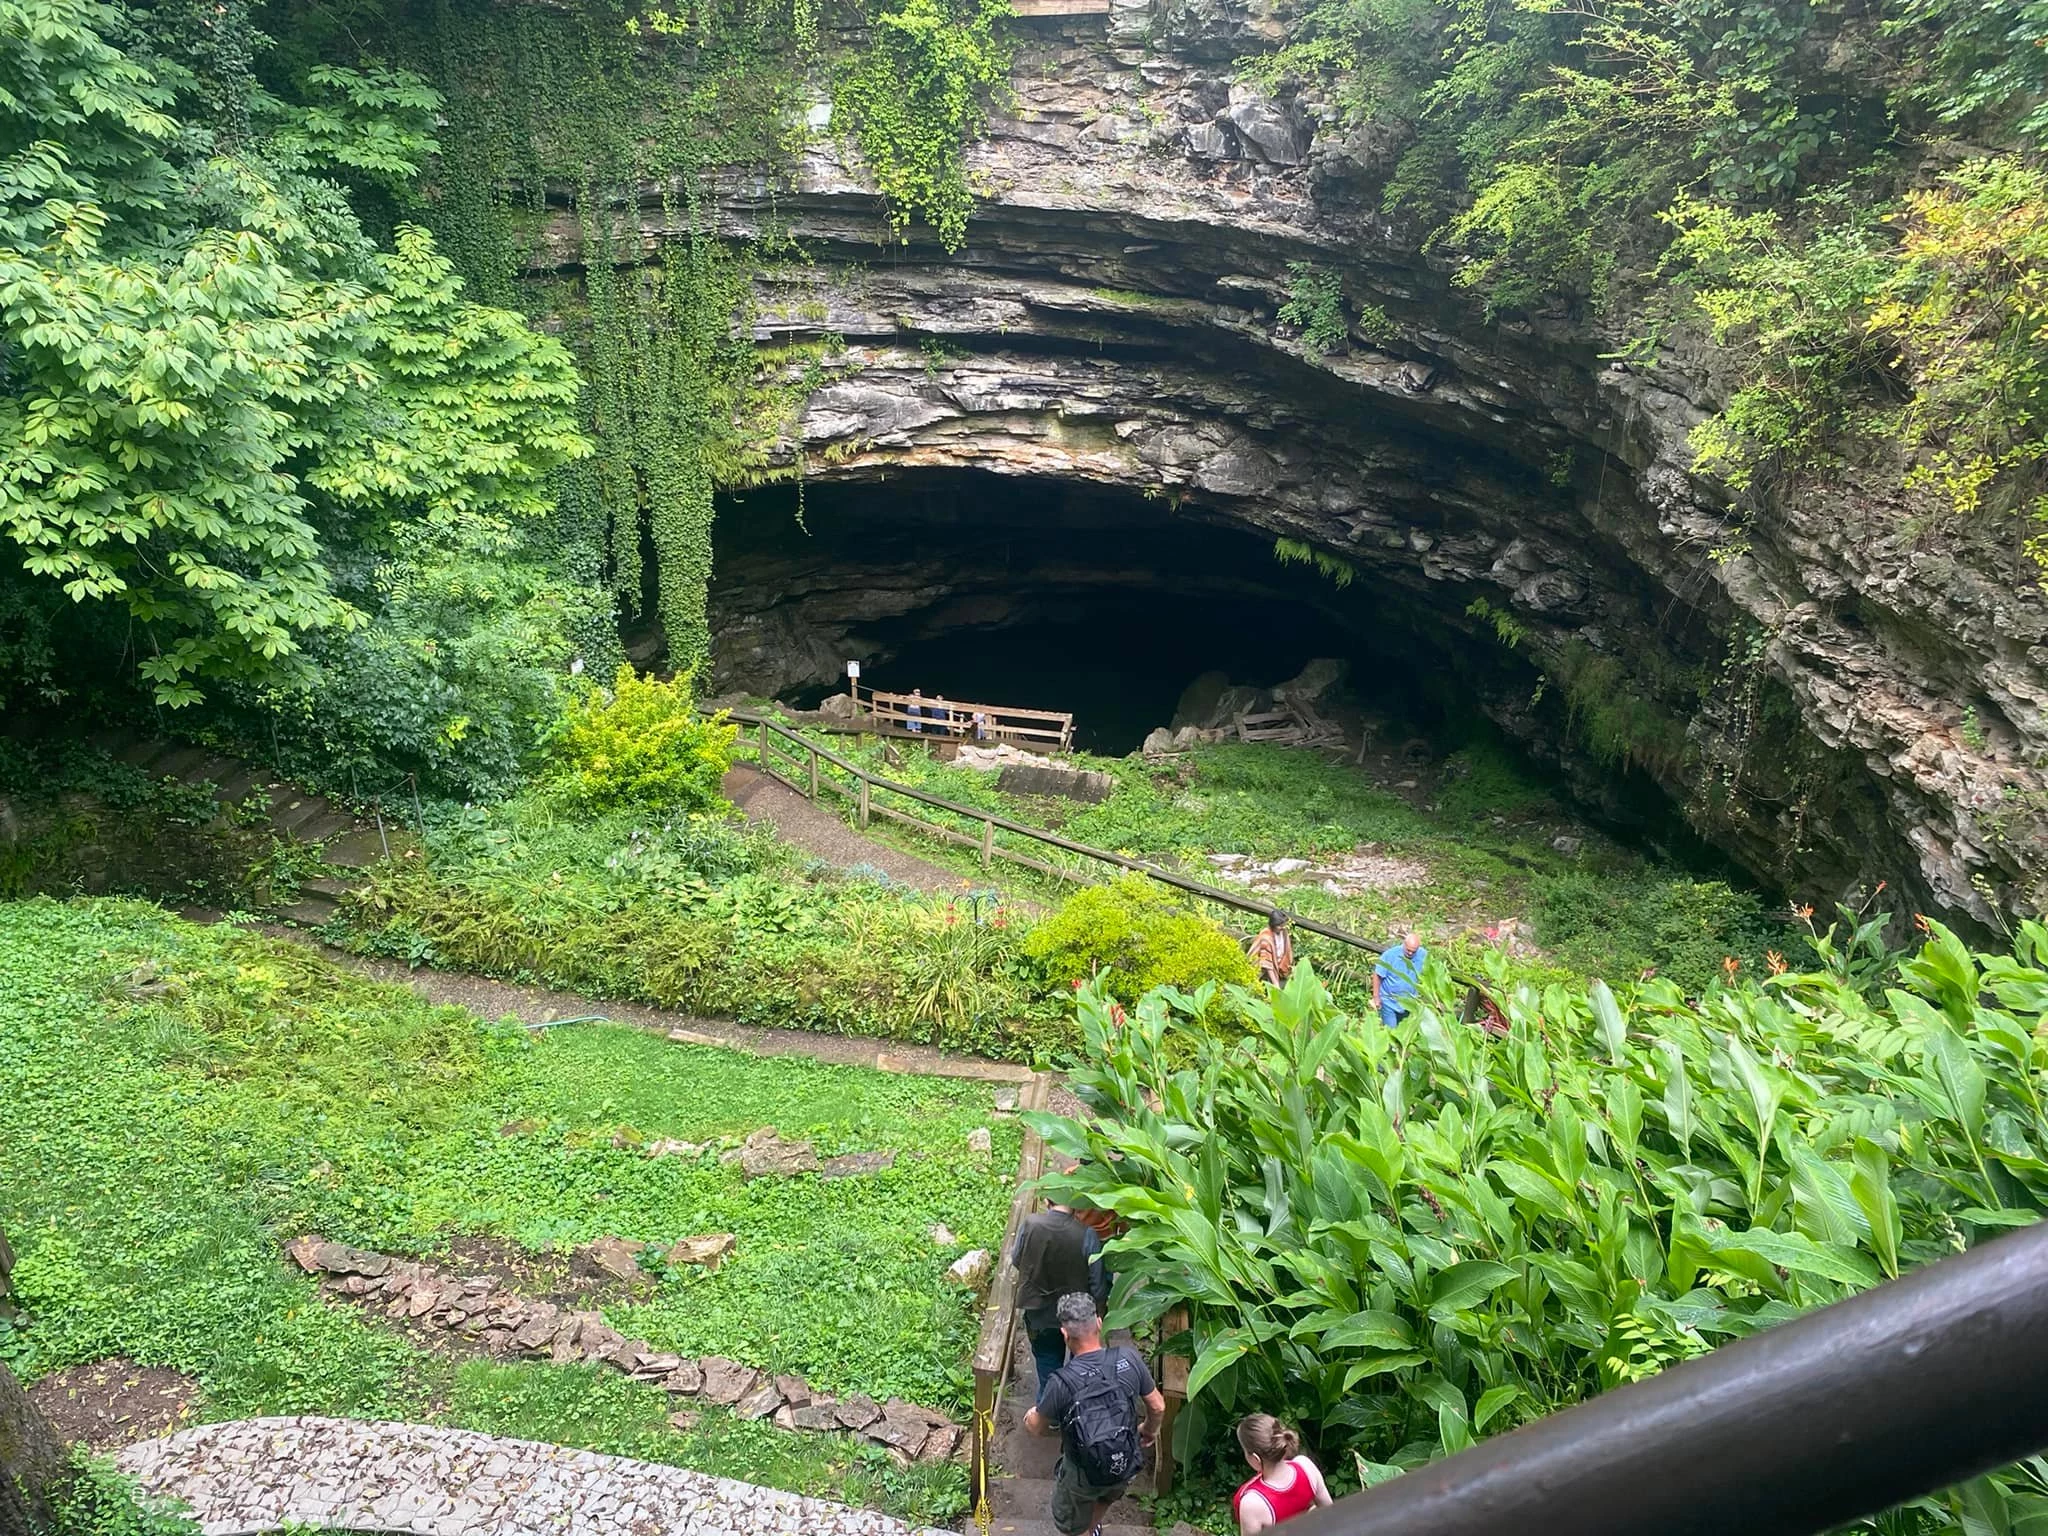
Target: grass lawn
(1478, 826)
(177, 1101)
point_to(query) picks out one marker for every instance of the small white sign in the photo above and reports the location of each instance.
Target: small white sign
(853, 671)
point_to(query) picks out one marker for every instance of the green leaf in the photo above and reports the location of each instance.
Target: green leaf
(1491, 1402)
(1463, 1284)
(1370, 1330)
(1217, 1356)
(1379, 1365)
(1800, 1254)
(1607, 1014)
(1961, 1079)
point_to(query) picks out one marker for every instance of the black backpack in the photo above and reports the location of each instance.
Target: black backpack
(1101, 1422)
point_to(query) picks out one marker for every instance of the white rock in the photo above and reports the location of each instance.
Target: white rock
(942, 1235)
(979, 1141)
(971, 1268)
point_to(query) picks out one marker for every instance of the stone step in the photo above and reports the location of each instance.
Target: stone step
(215, 767)
(321, 828)
(177, 762)
(239, 785)
(114, 740)
(1021, 1496)
(325, 885)
(355, 850)
(295, 814)
(309, 911)
(140, 754)
(1041, 1525)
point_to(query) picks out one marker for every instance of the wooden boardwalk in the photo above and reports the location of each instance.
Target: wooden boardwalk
(934, 716)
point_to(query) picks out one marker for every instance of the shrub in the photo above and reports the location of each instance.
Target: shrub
(1404, 1239)
(642, 745)
(1132, 937)
(1687, 929)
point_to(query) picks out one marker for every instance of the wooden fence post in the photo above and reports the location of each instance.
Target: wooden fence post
(863, 803)
(1172, 1375)
(814, 773)
(988, 838)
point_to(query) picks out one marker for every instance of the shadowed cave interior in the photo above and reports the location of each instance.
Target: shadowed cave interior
(1045, 594)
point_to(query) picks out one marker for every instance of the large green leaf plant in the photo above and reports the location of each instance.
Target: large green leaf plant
(1405, 1239)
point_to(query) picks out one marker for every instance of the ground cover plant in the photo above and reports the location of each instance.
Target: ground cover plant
(1406, 1239)
(692, 913)
(181, 1100)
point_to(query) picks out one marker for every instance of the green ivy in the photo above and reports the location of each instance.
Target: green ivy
(916, 97)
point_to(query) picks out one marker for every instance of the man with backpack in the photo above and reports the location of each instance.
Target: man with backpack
(1104, 1407)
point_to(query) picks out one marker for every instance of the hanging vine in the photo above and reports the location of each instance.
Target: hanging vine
(612, 108)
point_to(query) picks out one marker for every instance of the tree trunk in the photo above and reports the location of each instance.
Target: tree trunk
(32, 1461)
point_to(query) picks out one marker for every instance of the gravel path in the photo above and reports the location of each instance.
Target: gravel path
(820, 833)
(416, 1480)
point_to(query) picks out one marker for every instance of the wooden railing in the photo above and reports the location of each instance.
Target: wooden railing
(917, 715)
(996, 1342)
(804, 770)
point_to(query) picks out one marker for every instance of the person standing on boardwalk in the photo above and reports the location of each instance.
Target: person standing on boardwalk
(1106, 1410)
(1273, 950)
(1398, 976)
(916, 711)
(1284, 1483)
(1056, 1254)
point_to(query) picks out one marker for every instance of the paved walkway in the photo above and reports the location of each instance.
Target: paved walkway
(416, 1480)
(819, 832)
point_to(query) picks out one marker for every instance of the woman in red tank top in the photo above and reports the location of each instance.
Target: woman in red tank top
(1287, 1484)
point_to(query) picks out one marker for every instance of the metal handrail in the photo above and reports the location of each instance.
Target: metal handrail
(991, 820)
(1901, 1391)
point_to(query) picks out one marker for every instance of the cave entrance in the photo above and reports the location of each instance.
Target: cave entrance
(1046, 595)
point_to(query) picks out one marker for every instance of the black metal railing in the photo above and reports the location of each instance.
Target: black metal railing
(1906, 1389)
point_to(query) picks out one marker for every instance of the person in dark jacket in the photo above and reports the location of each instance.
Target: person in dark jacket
(1056, 1254)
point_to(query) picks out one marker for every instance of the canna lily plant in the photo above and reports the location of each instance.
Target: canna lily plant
(1404, 1239)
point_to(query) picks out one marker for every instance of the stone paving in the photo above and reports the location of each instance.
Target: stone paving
(502, 1322)
(346, 1474)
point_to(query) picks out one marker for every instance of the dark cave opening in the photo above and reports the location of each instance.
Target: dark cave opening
(1054, 595)
(1045, 595)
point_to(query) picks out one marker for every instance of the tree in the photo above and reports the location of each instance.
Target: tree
(32, 1460)
(211, 375)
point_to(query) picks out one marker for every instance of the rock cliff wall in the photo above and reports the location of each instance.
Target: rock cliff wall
(1834, 697)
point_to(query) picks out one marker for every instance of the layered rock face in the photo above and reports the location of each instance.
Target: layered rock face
(1831, 695)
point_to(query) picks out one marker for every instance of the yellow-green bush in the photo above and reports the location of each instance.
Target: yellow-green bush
(642, 744)
(1134, 937)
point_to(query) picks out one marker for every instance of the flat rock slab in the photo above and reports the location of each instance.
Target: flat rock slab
(417, 1480)
(848, 1164)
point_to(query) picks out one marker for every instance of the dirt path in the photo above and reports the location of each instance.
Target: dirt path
(817, 831)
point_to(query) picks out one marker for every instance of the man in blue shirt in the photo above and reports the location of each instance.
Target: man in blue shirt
(1397, 976)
